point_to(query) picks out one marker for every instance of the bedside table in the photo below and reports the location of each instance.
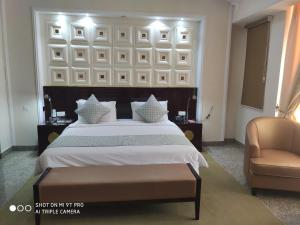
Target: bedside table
(47, 133)
(193, 132)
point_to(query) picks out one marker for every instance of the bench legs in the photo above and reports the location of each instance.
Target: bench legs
(253, 191)
(198, 191)
(36, 196)
(197, 210)
(197, 199)
(37, 216)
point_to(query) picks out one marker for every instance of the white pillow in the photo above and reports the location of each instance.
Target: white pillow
(92, 110)
(109, 117)
(137, 117)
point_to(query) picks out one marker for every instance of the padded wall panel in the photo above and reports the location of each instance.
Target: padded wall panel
(119, 52)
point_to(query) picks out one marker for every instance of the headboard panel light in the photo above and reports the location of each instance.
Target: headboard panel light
(64, 98)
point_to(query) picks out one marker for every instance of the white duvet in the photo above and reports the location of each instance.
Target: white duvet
(120, 155)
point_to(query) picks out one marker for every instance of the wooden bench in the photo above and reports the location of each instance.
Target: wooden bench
(116, 184)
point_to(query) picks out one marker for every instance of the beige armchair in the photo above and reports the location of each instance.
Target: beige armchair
(272, 156)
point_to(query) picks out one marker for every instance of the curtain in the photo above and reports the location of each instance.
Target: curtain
(289, 105)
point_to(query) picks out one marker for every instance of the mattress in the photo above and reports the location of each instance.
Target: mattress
(139, 153)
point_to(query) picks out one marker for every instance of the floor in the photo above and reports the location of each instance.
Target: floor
(15, 169)
(284, 205)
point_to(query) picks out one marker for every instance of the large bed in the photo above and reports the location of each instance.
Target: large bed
(123, 142)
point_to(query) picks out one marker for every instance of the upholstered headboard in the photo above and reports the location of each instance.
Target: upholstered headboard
(64, 98)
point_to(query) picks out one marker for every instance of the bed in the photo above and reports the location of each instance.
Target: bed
(123, 142)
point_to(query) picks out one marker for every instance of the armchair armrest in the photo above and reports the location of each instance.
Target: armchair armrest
(252, 144)
(252, 149)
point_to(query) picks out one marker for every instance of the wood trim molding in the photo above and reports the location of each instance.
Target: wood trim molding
(220, 143)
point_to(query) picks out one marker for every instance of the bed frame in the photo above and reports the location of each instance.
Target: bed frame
(64, 98)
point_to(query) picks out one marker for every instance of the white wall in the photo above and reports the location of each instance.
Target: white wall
(249, 10)
(236, 76)
(5, 128)
(237, 115)
(21, 53)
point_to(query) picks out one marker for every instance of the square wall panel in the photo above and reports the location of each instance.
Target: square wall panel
(80, 54)
(143, 56)
(123, 35)
(102, 55)
(56, 32)
(59, 75)
(183, 57)
(184, 36)
(164, 37)
(79, 33)
(102, 77)
(162, 78)
(143, 77)
(163, 57)
(58, 54)
(102, 34)
(123, 77)
(123, 56)
(182, 77)
(143, 36)
(80, 76)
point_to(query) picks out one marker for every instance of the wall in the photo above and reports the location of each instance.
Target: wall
(236, 76)
(248, 10)
(5, 128)
(237, 115)
(21, 53)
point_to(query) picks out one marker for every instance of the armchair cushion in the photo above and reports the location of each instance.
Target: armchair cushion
(276, 163)
(275, 133)
(296, 140)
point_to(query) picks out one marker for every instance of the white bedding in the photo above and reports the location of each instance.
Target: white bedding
(121, 155)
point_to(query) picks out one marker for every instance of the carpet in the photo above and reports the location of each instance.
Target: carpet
(283, 204)
(224, 202)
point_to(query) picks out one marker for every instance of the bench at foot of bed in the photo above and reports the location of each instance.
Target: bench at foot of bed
(119, 184)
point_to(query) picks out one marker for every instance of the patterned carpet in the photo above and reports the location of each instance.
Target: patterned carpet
(15, 169)
(224, 202)
(284, 205)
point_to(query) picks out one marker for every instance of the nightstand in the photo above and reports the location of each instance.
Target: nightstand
(48, 132)
(193, 132)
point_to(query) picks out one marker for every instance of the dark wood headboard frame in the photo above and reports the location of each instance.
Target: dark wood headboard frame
(64, 98)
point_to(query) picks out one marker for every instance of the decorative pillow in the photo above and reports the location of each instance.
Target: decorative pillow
(152, 111)
(92, 110)
(109, 117)
(137, 117)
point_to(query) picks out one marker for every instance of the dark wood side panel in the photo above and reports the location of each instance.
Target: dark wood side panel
(64, 98)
